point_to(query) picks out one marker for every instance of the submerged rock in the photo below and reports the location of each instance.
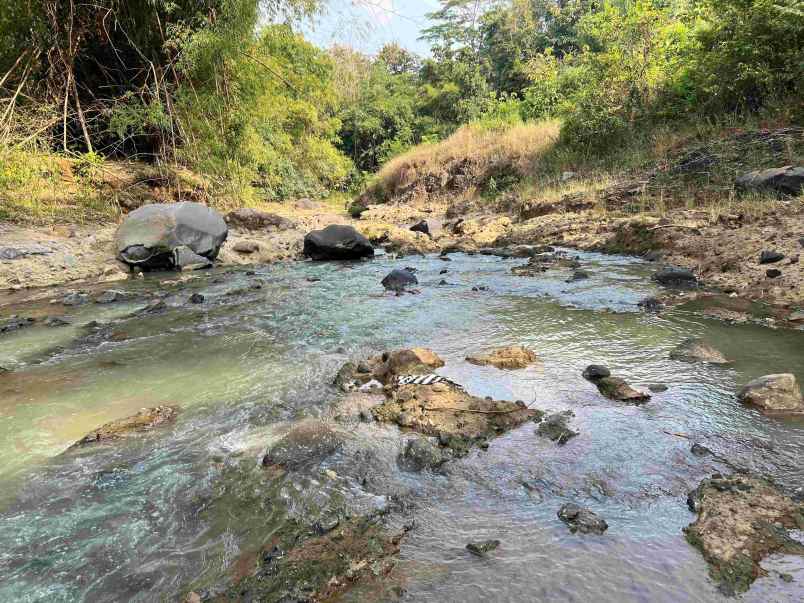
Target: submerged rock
(651, 305)
(672, 276)
(298, 564)
(741, 520)
(697, 350)
(398, 280)
(111, 296)
(308, 443)
(556, 427)
(15, 323)
(145, 420)
(582, 520)
(162, 236)
(482, 548)
(511, 357)
(773, 392)
(337, 242)
(578, 275)
(422, 453)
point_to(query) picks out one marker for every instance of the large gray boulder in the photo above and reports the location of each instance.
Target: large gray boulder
(773, 392)
(787, 180)
(170, 236)
(337, 242)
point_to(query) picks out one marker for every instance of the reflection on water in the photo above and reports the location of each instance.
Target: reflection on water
(141, 520)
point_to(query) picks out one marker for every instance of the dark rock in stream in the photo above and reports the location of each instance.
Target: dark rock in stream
(616, 388)
(15, 323)
(337, 242)
(700, 450)
(613, 388)
(578, 275)
(197, 298)
(169, 236)
(556, 427)
(422, 453)
(651, 304)
(742, 519)
(582, 520)
(399, 280)
(673, 276)
(482, 548)
(658, 388)
(593, 372)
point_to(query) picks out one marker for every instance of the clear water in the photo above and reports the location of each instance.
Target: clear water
(144, 519)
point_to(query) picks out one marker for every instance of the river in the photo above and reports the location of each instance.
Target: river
(143, 519)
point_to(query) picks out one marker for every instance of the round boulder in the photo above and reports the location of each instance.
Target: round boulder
(152, 236)
(398, 280)
(337, 242)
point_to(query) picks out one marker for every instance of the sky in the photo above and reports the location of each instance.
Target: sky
(367, 25)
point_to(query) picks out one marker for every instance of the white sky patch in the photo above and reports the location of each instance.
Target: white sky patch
(381, 11)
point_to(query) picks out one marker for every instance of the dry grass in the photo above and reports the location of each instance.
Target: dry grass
(45, 188)
(471, 157)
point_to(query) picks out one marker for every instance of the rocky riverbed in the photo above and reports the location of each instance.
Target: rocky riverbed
(293, 431)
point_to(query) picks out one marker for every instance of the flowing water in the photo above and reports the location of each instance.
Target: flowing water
(143, 519)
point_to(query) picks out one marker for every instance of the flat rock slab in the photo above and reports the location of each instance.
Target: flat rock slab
(445, 410)
(511, 357)
(741, 520)
(144, 421)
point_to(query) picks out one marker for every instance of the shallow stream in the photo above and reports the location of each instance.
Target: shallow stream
(143, 519)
